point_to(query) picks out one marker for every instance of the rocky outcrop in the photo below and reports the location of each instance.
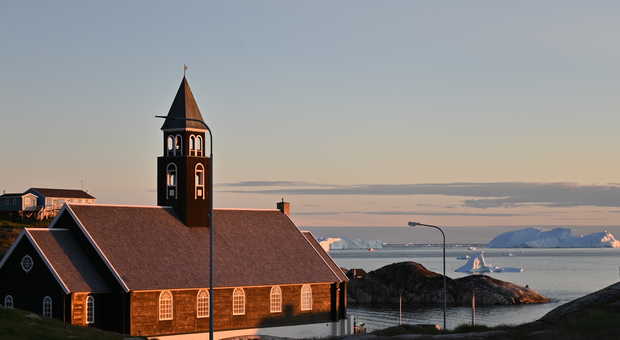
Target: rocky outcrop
(606, 299)
(420, 286)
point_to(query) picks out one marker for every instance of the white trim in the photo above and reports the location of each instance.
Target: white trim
(238, 289)
(49, 300)
(57, 217)
(208, 296)
(185, 129)
(46, 261)
(91, 321)
(232, 287)
(317, 252)
(278, 308)
(301, 305)
(246, 209)
(99, 251)
(180, 138)
(165, 318)
(10, 251)
(201, 179)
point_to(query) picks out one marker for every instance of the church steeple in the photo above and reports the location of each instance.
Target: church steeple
(183, 106)
(182, 171)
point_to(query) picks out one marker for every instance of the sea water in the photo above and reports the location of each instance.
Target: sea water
(559, 274)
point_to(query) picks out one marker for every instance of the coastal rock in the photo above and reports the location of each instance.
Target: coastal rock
(606, 298)
(420, 286)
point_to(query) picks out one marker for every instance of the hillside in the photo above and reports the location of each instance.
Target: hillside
(18, 325)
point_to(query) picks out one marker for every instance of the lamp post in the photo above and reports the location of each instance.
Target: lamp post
(445, 289)
(211, 225)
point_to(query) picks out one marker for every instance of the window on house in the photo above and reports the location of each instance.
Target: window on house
(200, 181)
(199, 146)
(170, 146)
(178, 146)
(192, 143)
(202, 304)
(171, 181)
(306, 297)
(90, 310)
(47, 307)
(165, 305)
(27, 263)
(8, 301)
(275, 300)
(238, 301)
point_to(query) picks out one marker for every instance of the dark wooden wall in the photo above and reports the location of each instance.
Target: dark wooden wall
(145, 312)
(29, 289)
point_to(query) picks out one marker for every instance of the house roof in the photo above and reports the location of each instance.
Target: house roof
(150, 248)
(64, 193)
(68, 259)
(183, 107)
(17, 194)
(328, 260)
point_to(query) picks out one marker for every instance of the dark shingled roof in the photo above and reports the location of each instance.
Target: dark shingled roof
(64, 193)
(12, 194)
(328, 259)
(69, 260)
(150, 248)
(183, 106)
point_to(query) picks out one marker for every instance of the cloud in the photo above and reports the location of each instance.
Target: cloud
(407, 213)
(482, 195)
(275, 184)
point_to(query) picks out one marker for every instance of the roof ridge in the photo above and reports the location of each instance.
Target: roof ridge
(118, 205)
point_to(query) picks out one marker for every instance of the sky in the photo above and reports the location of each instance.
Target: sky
(360, 113)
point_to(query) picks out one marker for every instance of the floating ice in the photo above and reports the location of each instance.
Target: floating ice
(555, 238)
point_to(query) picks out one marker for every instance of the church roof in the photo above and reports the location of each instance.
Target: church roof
(328, 260)
(183, 106)
(68, 260)
(150, 248)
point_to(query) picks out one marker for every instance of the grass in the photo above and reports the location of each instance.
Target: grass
(16, 324)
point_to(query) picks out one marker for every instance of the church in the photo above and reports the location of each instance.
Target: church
(144, 270)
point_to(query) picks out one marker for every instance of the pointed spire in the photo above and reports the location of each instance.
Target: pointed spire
(183, 106)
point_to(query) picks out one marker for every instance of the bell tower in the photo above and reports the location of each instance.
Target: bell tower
(182, 170)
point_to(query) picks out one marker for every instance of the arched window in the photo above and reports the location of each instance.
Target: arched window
(238, 301)
(275, 300)
(47, 307)
(200, 181)
(90, 310)
(192, 145)
(8, 301)
(171, 181)
(202, 304)
(165, 305)
(178, 146)
(198, 146)
(170, 146)
(306, 297)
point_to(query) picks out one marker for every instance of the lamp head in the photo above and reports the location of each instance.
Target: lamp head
(413, 224)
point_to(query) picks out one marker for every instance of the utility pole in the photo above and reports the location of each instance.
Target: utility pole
(473, 308)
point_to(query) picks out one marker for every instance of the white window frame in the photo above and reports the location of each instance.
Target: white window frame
(238, 301)
(275, 300)
(306, 297)
(178, 145)
(47, 310)
(24, 263)
(90, 310)
(8, 301)
(171, 180)
(199, 177)
(166, 305)
(202, 303)
(199, 146)
(192, 145)
(170, 145)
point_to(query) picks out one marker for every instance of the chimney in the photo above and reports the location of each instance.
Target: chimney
(284, 207)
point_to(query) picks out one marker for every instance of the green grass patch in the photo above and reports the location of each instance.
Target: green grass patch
(19, 325)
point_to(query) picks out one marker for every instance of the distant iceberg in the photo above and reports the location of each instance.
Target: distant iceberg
(555, 238)
(331, 243)
(478, 264)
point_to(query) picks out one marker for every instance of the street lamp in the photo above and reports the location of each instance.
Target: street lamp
(211, 225)
(445, 290)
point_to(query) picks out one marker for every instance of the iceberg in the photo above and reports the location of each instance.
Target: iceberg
(555, 238)
(478, 264)
(331, 243)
